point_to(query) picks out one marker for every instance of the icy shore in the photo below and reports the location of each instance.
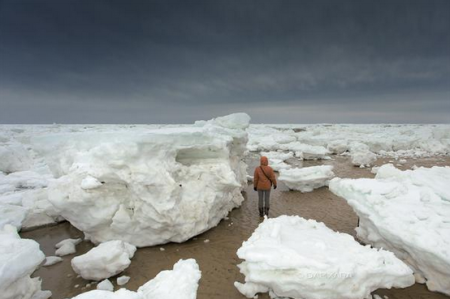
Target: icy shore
(408, 213)
(148, 187)
(290, 256)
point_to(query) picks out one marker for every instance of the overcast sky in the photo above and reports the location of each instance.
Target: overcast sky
(281, 61)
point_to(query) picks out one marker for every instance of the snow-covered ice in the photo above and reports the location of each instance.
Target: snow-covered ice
(181, 283)
(157, 186)
(105, 260)
(19, 258)
(14, 157)
(23, 200)
(24, 178)
(293, 257)
(408, 213)
(308, 178)
(363, 158)
(384, 140)
(337, 146)
(67, 246)
(12, 215)
(25, 162)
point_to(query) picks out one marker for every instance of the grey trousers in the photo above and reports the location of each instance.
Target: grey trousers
(264, 198)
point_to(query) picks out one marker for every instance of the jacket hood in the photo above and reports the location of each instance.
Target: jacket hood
(264, 161)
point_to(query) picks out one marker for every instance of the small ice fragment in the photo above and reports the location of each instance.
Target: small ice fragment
(105, 285)
(42, 295)
(122, 280)
(66, 247)
(51, 260)
(76, 286)
(206, 241)
(161, 249)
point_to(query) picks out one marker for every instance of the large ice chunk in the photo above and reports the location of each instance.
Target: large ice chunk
(308, 178)
(105, 260)
(157, 186)
(293, 257)
(14, 157)
(408, 213)
(12, 215)
(363, 158)
(337, 146)
(180, 283)
(306, 151)
(24, 200)
(276, 159)
(19, 258)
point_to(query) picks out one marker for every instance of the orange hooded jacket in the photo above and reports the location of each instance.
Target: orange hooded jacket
(264, 180)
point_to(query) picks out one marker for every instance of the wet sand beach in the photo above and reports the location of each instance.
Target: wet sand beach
(215, 250)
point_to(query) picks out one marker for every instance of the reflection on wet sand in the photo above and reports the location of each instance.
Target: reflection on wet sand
(217, 258)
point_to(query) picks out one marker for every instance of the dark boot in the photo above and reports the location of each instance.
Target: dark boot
(261, 212)
(267, 212)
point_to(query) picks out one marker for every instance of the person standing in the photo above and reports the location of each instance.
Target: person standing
(263, 179)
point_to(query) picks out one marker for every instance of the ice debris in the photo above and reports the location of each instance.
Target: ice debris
(105, 260)
(67, 246)
(180, 283)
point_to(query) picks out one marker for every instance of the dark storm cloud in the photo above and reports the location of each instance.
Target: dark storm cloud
(177, 61)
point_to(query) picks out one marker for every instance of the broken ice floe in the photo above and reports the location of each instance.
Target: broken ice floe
(308, 178)
(406, 212)
(293, 257)
(105, 260)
